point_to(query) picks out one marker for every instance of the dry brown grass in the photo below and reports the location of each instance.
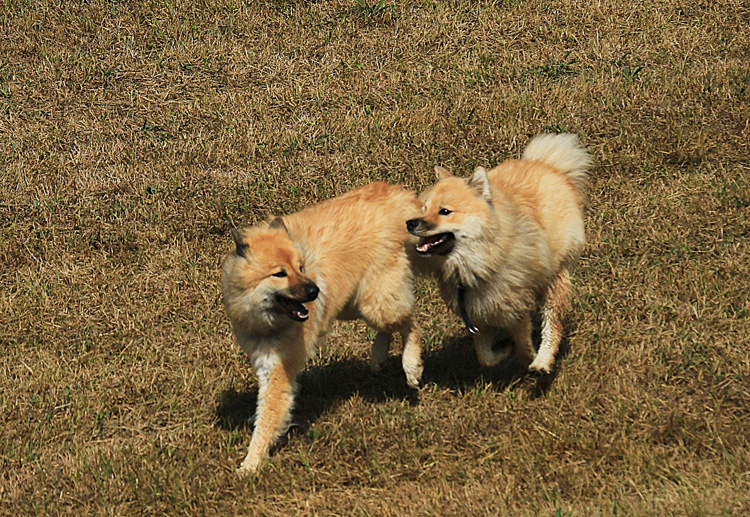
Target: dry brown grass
(134, 134)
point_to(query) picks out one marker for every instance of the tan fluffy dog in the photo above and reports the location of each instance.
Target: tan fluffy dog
(504, 240)
(286, 282)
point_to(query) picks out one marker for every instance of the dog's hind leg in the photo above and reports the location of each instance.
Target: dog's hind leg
(411, 359)
(387, 306)
(380, 351)
(483, 345)
(521, 333)
(556, 302)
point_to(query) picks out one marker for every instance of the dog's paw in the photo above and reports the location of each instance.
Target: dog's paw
(413, 370)
(414, 377)
(248, 468)
(244, 472)
(540, 365)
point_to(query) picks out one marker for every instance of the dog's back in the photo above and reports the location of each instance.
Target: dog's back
(357, 239)
(548, 186)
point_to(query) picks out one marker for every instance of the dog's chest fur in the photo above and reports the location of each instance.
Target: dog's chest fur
(502, 275)
(488, 303)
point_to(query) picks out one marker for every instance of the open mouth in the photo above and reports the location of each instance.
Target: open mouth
(439, 244)
(293, 308)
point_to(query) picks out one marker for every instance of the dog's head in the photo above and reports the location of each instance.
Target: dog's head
(454, 209)
(264, 277)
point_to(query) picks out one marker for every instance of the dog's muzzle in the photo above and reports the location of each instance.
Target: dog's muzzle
(412, 225)
(293, 305)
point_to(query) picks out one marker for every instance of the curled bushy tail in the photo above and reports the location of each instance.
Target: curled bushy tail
(563, 152)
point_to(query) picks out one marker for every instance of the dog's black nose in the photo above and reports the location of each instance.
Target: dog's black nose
(412, 224)
(311, 292)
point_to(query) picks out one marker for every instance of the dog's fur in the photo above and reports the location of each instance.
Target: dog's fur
(285, 282)
(509, 239)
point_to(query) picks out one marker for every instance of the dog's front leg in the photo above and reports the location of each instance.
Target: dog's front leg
(275, 401)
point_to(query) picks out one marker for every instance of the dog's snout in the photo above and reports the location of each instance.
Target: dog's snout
(412, 224)
(311, 291)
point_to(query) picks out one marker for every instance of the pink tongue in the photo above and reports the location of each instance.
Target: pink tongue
(427, 242)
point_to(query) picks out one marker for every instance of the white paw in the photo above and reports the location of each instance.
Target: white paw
(542, 364)
(413, 374)
(246, 470)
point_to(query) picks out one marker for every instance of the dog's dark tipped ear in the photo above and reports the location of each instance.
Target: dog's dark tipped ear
(481, 184)
(242, 246)
(278, 222)
(442, 172)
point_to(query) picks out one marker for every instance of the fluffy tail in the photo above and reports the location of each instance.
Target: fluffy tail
(563, 152)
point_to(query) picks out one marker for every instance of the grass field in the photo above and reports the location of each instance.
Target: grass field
(133, 135)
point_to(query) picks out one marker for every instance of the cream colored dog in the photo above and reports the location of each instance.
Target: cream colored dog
(505, 240)
(285, 282)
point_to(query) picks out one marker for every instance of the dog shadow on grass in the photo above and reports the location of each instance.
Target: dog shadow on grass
(322, 388)
(454, 365)
(451, 365)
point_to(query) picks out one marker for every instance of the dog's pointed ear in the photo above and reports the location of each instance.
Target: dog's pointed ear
(481, 184)
(442, 172)
(278, 223)
(242, 247)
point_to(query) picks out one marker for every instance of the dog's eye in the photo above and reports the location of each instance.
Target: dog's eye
(444, 211)
(280, 274)
(301, 268)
